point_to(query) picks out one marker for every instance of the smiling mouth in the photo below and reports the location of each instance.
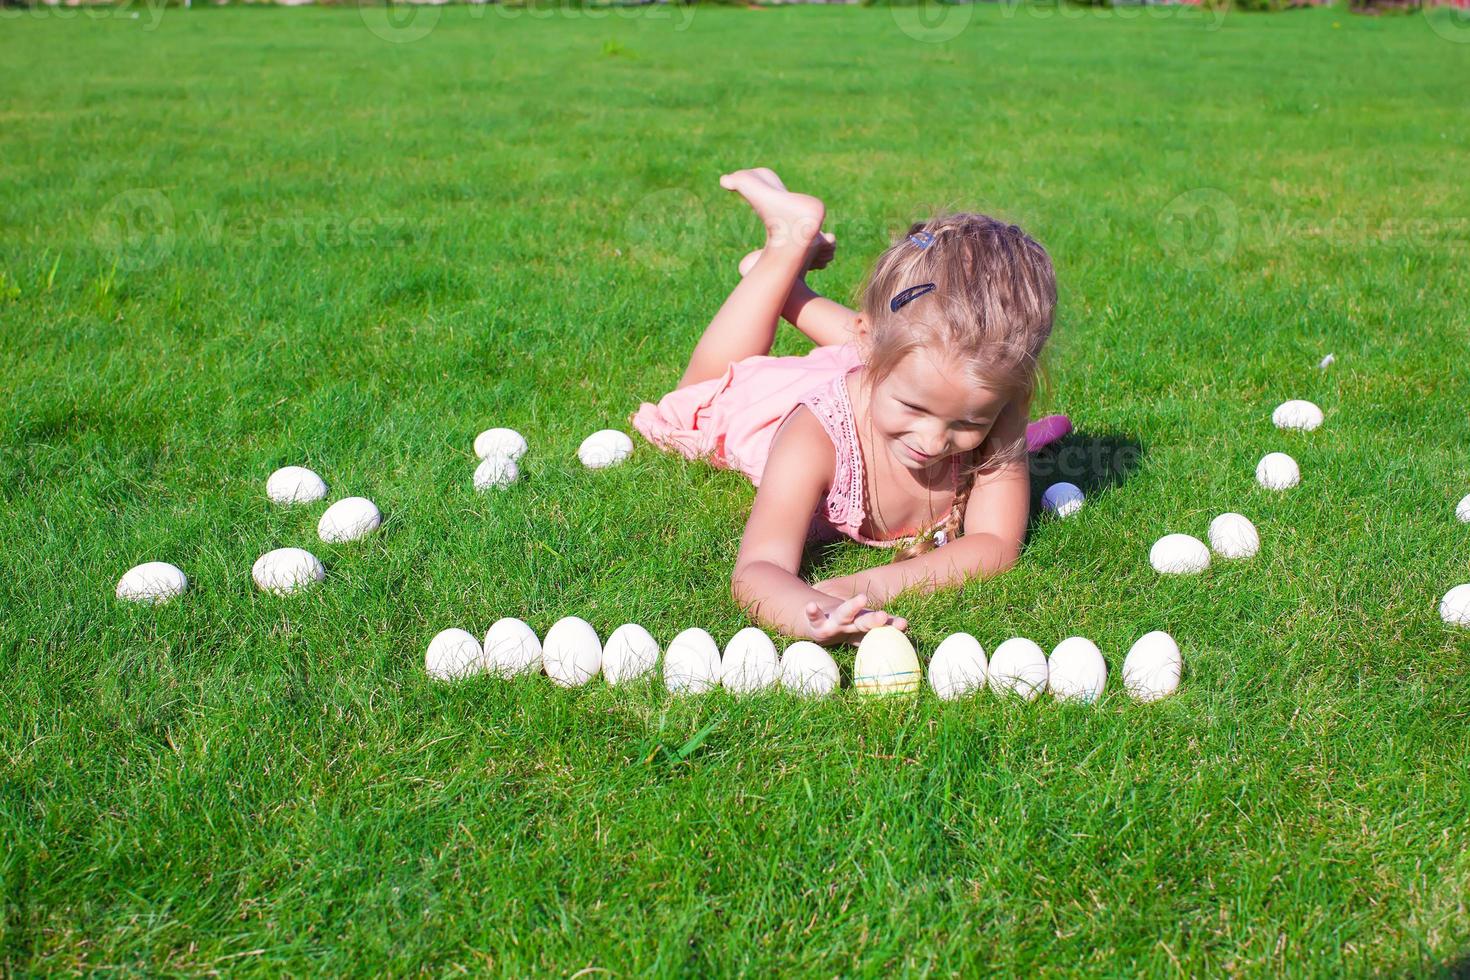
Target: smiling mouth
(914, 454)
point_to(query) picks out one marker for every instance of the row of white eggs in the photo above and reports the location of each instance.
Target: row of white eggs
(500, 450)
(572, 655)
(281, 572)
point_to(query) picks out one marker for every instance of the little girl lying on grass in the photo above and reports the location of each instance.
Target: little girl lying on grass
(906, 427)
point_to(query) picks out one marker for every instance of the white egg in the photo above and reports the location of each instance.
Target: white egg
(692, 662)
(608, 447)
(1063, 499)
(1234, 536)
(507, 443)
(808, 669)
(285, 570)
(886, 663)
(496, 471)
(1297, 414)
(1327, 361)
(630, 653)
(958, 666)
(572, 652)
(154, 581)
(349, 519)
(1076, 670)
(1179, 554)
(452, 653)
(750, 663)
(295, 485)
(1018, 666)
(1151, 669)
(1462, 510)
(511, 648)
(1454, 608)
(1278, 471)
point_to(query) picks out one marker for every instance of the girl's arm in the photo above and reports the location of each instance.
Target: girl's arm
(994, 529)
(765, 582)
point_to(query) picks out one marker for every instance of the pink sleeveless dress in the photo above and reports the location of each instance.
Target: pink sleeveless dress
(731, 422)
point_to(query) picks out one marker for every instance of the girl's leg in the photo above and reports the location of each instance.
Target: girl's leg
(824, 321)
(746, 324)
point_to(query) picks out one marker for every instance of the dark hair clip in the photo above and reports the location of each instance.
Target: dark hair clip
(907, 296)
(923, 239)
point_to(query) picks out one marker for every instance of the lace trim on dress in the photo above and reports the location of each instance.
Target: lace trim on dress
(833, 410)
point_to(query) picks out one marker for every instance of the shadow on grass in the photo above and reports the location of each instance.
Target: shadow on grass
(1094, 463)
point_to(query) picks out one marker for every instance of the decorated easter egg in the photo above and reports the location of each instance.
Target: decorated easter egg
(886, 663)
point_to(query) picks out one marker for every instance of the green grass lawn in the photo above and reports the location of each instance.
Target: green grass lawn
(236, 239)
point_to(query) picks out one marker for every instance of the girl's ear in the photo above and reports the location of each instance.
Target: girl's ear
(862, 333)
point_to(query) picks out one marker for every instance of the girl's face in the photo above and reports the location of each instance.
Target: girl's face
(927, 410)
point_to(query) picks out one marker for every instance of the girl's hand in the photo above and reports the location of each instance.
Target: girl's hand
(848, 620)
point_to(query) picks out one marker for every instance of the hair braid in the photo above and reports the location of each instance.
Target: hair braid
(950, 527)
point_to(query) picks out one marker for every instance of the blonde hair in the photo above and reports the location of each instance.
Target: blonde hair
(992, 306)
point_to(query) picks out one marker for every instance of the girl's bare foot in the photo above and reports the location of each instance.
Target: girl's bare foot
(819, 256)
(791, 220)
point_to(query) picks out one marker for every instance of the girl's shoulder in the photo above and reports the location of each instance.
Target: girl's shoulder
(803, 436)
